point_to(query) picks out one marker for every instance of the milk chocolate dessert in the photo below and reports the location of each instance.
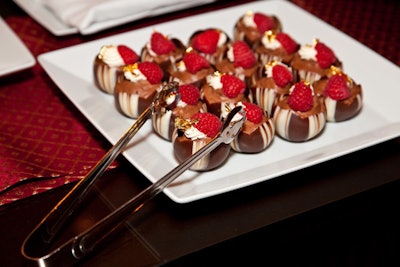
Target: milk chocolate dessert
(188, 105)
(342, 96)
(193, 134)
(269, 83)
(210, 43)
(313, 61)
(163, 50)
(108, 65)
(192, 69)
(238, 60)
(252, 25)
(276, 47)
(222, 89)
(136, 87)
(301, 115)
(257, 132)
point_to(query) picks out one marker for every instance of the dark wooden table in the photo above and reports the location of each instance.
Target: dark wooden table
(339, 213)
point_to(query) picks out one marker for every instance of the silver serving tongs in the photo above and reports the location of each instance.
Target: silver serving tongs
(35, 245)
(166, 98)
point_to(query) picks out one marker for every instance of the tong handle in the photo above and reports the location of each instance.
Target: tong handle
(166, 98)
(57, 217)
(79, 246)
(88, 240)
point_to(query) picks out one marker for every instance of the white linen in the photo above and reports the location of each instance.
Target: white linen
(90, 16)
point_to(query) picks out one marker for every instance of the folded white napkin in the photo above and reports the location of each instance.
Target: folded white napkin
(90, 16)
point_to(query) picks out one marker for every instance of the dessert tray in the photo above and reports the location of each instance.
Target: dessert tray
(379, 120)
(13, 53)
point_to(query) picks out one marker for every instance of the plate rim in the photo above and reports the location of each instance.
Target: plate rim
(25, 57)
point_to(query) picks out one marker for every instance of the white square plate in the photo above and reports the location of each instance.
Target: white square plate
(71, 70)
(14, 55)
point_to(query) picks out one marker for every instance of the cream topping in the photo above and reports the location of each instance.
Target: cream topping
(270, 42)
(193, 133)
(110, 55)
(248, 20)
(308, 52)
(134, 75)
(214, 80)
(181, 66)
(181, 104)
(228, 107)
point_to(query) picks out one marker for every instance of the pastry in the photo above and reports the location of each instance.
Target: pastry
(342, 96)
(210, 43)
(301, 115)
(276, 47)
(222, 89)
(193, 134)
(192, 69)
(257, 132)
(313, 61)
(136, 87)
(108, 65)
(163, 50)
(239, 60)
(252, 25)
(188, 105)
(269, 83)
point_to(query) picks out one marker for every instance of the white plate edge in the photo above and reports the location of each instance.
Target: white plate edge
(12, 37)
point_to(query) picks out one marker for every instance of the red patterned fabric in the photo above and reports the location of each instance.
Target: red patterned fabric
(364, 28)
(44, 141)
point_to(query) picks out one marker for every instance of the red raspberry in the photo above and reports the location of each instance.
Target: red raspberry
(254, 113)
(189, 93)
(206, 41)
(152, 71)
(337, 87)
(195, 62)
(325, 55)
(281, 75)
(244, 57)
(264, 23)
(207, 123)
(232, 86)
(160, 44)
(287, 42)
(128, 55)
(301, 98)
